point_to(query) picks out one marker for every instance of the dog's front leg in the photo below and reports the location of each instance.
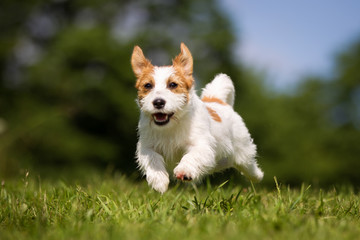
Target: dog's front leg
(152, 165)
(199, 160)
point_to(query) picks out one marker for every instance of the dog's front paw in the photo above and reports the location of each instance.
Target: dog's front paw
(184, 173)
(159, 181)
(183, 177)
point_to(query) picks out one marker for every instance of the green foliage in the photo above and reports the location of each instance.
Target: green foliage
(116, 208)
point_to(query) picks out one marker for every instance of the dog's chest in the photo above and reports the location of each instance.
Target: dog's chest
(172, 146)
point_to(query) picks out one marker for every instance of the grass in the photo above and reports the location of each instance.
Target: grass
(117, 208)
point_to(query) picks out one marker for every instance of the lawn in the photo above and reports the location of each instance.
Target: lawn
(117, 208)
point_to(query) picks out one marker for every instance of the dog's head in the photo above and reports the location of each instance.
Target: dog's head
(163, 92)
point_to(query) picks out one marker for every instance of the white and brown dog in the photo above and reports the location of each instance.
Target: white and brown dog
(183, 135)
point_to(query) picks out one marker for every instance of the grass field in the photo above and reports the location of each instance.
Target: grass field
(116, 208)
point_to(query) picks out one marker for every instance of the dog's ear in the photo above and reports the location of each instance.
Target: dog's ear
(139, 62)
(184, 60)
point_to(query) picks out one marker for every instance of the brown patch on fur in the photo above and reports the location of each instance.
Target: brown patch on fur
(183, 65)
(183, 84)
(145, 78)
(138, 62)
(213, 100)
(214, 114)
(180, 76)
(143, 70)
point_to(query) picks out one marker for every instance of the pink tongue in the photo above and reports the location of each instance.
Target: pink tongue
(160, 116)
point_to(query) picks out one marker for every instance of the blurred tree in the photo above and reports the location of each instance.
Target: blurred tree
(67, 93)
(313, 134)
(344, 113)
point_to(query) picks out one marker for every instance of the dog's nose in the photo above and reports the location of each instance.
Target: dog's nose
(159, 103)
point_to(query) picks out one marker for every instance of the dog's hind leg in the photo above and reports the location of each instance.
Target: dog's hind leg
(245, 162)
(245, 153)
(249, 169)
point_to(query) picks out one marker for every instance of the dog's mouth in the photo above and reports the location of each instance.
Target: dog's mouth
(162, 118)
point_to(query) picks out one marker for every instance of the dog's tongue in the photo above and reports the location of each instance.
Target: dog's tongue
(160, 117)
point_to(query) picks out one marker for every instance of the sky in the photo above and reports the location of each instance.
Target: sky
(292, 39)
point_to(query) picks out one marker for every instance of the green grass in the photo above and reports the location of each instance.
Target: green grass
(116, 208)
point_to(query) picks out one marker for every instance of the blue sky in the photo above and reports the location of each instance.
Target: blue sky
(291, 39)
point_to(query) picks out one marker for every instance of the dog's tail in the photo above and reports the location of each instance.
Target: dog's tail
(220, 88)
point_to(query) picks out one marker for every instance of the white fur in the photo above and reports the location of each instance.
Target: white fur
(193, 143)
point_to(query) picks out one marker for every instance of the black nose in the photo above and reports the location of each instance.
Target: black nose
(159, 103)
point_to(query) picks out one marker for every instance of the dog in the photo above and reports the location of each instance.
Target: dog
(184, 135)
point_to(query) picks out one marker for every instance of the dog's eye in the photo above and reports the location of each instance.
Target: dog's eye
(148, 86)
(173, 85)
